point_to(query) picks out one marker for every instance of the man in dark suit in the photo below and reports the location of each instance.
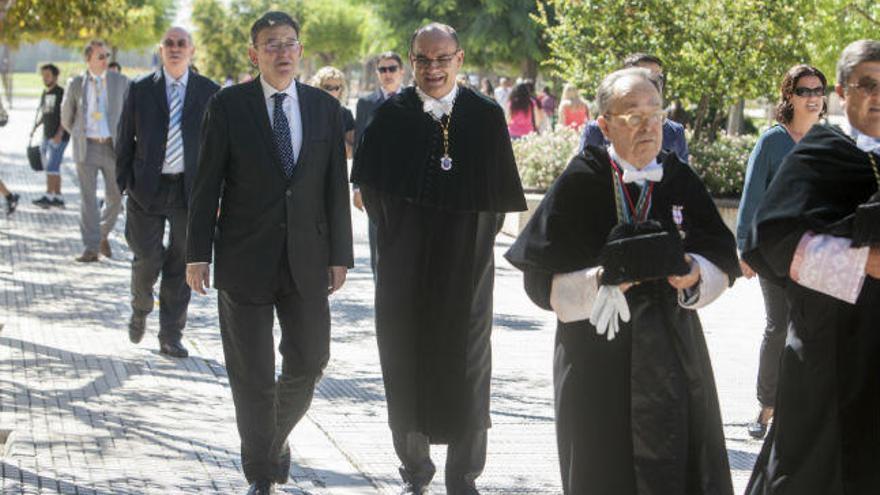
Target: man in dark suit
(389, 71)
(156, 158)
(273, 160)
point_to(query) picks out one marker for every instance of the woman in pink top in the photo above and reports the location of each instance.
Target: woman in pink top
(573, 111)
(522, 112)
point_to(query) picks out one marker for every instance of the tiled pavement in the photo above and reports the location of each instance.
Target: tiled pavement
(88, 412)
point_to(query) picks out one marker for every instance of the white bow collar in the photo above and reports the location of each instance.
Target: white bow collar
(438, 107)
(653, 172)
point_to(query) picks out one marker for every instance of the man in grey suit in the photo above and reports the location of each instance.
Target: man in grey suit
(90, 113)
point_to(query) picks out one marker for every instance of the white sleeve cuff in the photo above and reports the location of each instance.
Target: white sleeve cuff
(713, 282)
(829, 265)
(572, 294)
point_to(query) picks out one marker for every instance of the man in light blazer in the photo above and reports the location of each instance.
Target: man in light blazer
(90, 113)
(273, 160)
(157, 156)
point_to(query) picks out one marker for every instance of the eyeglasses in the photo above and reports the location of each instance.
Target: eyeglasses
(170, 43)
(331, 88)
(868, 87)
(640, 119)
(391, 69)
(442, 61)
(102, 56)
(279, 46)
(805, 92)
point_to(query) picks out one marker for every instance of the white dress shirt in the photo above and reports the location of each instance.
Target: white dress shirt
(291, 111)
(96, 103)
(167, 168)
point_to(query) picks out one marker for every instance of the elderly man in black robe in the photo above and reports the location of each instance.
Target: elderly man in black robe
(625, 246)
(436, 169)
(817, 231)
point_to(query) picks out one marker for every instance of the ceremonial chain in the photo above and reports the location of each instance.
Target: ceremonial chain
(629, 212)
(876, 170)
(445, 160)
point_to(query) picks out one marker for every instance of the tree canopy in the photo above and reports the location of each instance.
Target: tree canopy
(122, 23)
(714, 51)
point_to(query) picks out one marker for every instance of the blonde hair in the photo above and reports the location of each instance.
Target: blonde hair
(571, 93)
(329, 73)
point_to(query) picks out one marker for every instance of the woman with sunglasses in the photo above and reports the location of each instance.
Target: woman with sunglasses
(332, 80)
(801, 104)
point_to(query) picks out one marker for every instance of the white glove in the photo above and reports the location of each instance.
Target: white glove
(609, 308)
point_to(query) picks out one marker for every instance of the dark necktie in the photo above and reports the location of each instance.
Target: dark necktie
(281, 130)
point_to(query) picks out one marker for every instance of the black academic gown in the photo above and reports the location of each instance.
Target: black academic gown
(638, 414)
(435, 264)
(825, 438)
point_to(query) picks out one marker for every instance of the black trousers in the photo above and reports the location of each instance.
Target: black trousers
(465, 460)
(144, 231)
(776, 307)
(266, 409)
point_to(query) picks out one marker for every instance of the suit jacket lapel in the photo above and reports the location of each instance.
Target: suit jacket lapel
(188, 96)
(257, 104)
(306, 109)
(160, 94)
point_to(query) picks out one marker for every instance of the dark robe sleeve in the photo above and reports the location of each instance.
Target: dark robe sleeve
(818, 188)
(569, 227)
(538, 285)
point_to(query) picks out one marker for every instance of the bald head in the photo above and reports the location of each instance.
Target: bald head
(436, 58)
(434, 32)
(176, 50)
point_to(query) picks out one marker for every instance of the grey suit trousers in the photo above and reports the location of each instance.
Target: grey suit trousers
(96, 224)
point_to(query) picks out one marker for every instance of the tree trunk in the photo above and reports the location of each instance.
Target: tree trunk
(114, 50)
(700, 117)
(530, 68)
(736, 118)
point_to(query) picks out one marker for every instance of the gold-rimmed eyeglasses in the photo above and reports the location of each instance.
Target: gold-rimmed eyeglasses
(640, 119)
(443, 61)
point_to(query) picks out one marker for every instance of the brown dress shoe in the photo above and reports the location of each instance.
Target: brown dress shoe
(87, 257)
(104, 248)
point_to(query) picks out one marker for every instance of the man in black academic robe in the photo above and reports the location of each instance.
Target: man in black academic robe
(435, 203)
(636, 413)
(825, 437)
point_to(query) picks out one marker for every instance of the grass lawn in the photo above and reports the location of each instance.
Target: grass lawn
(26, 85)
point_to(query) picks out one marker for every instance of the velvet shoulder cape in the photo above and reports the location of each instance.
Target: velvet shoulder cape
(394, 155)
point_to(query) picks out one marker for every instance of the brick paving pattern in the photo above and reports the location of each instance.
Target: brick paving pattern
(87, 412)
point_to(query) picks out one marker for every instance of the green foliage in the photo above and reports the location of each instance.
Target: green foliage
(542, 157)
(715, 51)
(122, 23)
(334, 31)
(833, 24)
(722, 164)
(494, 33)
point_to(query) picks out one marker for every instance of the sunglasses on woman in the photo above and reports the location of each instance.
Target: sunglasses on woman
(805, 92)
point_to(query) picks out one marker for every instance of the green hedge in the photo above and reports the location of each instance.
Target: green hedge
(721, 164)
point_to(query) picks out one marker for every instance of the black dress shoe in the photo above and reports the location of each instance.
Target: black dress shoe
(137, 325)
(262, 487)
(410, 489)
(174, 349)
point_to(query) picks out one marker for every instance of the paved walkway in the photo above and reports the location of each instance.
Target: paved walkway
(86, 412)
